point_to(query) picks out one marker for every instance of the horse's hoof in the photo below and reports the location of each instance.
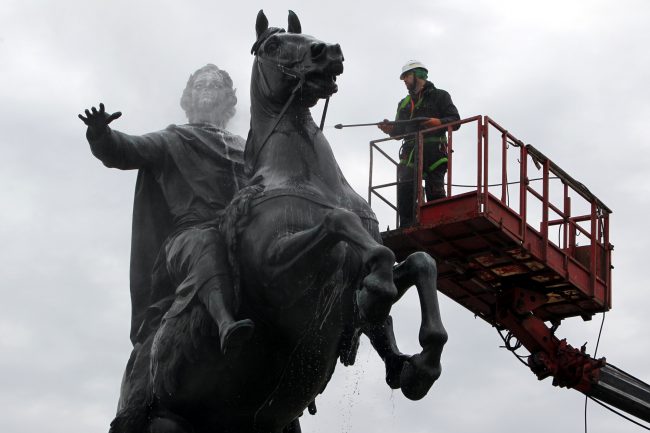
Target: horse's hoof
(416, 379)
(394, 365)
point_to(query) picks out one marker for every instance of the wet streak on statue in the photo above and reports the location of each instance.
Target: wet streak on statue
(308, 263)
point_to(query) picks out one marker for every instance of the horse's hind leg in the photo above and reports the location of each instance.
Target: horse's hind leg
(420, 371)
(301, 250)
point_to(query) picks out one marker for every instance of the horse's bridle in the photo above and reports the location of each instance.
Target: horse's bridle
(293, 73)
(287, 71)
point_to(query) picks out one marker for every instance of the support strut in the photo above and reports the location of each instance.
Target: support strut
(570, 367)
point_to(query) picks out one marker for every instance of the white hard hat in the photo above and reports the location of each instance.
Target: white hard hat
(410, 65)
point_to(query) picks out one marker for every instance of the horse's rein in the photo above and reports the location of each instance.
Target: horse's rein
(294, 74)
(287, 71)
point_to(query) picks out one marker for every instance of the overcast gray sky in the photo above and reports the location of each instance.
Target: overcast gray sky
(568, 76)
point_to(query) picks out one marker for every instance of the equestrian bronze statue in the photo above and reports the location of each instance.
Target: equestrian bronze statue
(307, 270)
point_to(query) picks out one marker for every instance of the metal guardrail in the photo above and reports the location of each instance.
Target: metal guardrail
(592, 226)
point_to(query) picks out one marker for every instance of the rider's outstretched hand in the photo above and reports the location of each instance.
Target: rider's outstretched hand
(98, 120)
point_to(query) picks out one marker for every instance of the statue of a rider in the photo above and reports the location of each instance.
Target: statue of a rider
(187, 175)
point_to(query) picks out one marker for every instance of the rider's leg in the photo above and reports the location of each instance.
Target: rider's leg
(197, 257)
(217, 297)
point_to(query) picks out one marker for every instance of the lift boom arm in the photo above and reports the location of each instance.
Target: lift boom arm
(570, 367)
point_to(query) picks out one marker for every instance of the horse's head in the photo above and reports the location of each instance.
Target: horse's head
(289, 62)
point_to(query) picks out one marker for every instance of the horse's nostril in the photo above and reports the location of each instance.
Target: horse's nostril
(336, 68)
(317, 50)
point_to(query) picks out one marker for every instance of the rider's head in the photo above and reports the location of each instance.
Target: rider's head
(209, 96)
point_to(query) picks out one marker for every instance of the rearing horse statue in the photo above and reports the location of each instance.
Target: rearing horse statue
(312, 272)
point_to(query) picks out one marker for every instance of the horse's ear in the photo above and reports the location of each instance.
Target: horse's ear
(261, 24)
(294, 23)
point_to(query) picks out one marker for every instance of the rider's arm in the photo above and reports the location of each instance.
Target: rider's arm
(119, 150)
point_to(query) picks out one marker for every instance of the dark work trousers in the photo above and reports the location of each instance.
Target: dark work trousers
(434, 182)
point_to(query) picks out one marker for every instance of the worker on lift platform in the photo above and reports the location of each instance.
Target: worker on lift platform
(436, 107)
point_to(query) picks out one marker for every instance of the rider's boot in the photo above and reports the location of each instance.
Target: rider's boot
(233, 334)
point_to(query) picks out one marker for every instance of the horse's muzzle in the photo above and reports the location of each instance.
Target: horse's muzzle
(328, 56)
(335, 68)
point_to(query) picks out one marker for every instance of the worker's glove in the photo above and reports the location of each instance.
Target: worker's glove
(431, 122)
(386, 127)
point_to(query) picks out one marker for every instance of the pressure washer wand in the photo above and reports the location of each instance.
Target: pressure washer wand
(341, 126)
(390, 122)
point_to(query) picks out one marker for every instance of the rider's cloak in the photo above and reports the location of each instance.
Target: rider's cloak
(186, 175)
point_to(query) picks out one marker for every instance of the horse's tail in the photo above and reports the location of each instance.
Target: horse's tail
(233, 223)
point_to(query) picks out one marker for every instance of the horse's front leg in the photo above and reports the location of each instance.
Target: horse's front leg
(305, 250)
(416, 374)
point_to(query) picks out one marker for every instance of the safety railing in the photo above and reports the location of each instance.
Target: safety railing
(551, 199)
(417, 166)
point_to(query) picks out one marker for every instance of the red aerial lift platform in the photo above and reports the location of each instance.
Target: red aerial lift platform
(522, 254)
(483, 247)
